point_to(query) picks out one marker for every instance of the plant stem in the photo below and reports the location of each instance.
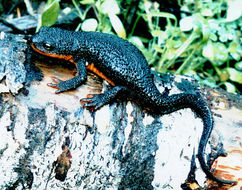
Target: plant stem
(186, 62)
(180, 50)
(135, 23)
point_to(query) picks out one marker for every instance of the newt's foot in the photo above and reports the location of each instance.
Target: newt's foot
(93, 101)
(59, 84)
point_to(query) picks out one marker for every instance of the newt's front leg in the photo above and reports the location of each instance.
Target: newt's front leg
(71, 83)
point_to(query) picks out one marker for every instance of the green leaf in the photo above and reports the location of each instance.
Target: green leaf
(233, 46)
(208, 50)
(215, 52)
(164, 15)
(89, 25)
(208, 81)
(50, 14)
(238, 65)
(206, 30)
(234, 50)
(235, 75)
(117, 25)
(87, 2)
(207, 12)
(220, 53)
(186, 23)
(137, 41)
(230, 87)
(234, 10)
(157, 33)
(110, 7)
(224, 75)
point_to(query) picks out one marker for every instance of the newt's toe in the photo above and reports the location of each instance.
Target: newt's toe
(58, 84)
(92, 102)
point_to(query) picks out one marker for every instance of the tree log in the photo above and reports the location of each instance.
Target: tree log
(48, 141)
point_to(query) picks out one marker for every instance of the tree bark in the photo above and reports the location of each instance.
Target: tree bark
(48, 141)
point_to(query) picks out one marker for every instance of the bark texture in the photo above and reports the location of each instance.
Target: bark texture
(48, 141)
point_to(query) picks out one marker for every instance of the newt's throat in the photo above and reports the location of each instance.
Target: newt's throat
(65, 57)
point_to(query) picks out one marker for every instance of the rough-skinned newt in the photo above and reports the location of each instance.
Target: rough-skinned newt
(126, 69)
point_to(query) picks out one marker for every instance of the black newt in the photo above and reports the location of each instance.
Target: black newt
(125, 68)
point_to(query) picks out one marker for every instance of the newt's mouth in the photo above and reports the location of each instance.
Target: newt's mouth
(65, 57)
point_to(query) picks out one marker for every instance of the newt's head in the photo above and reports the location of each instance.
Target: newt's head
(53, 42)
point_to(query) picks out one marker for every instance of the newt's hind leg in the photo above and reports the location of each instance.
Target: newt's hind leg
(96, 101)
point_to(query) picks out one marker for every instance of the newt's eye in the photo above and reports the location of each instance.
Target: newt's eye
(48, 47)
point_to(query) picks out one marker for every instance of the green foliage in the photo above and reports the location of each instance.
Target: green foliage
(106, 16)
(50, 14)
(206, 43)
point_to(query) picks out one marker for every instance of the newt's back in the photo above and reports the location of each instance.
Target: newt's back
(114, 56)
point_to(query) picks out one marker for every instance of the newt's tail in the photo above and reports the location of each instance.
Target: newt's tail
(202, 109)
(168, 104)
(208, 124)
